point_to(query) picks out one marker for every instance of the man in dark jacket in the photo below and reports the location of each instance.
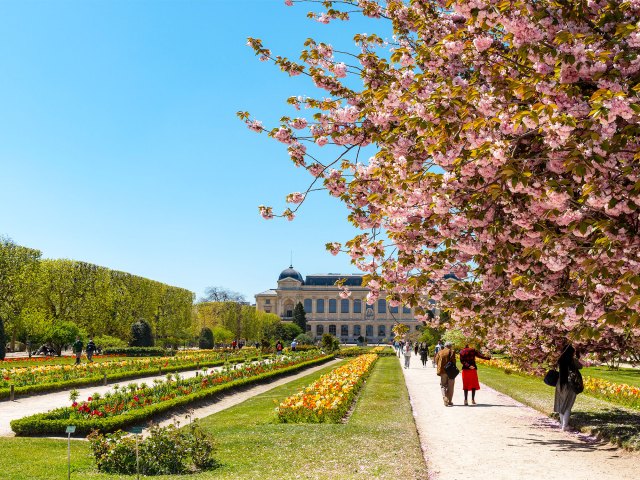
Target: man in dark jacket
(91, 349)
(77, 349)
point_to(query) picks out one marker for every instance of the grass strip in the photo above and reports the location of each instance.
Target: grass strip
(379, 441)
(591, 415)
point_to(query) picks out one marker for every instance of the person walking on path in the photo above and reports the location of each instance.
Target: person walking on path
(91, 349)
(407, 354)
(470, 372)
(437, 348)
(77, 349)
(444, 356)
(565, 396)
(415, 349)
(424, 353)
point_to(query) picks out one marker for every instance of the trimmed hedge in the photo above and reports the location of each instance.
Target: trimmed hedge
(39, 424)
(357, 351)
(84, 382)
(140, 351)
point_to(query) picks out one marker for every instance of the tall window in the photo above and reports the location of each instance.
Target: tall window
(332, 330)
(307, 305)
(382, 306)
(369, 330)
(357, 306)
(320, 305)
(393, 309)
(344, 305)
(356, 330)
(382, 331)
(344, 330)
(319, 330)
(333, 305)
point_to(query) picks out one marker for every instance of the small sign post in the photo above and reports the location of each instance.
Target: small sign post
(137, 431)
(70, 429)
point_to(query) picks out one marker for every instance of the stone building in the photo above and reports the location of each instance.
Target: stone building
(326, 312)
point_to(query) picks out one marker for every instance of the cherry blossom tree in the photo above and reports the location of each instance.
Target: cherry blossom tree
(506, 179)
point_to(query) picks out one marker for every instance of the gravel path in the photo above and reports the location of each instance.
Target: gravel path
(501, 439)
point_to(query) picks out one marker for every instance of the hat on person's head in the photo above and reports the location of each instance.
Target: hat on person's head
(448, 344)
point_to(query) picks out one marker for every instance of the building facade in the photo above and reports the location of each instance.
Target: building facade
(350, 320)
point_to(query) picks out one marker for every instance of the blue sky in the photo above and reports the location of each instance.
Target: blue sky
(120, 146)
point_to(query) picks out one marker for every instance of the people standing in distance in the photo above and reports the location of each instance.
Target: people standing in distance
(444, 356)
(77, 349)
(424, 353)
(91, 349)
(294, 345)
(568, 366)
(437, 348)
(279, 347)
(407, 354)
(470, 372)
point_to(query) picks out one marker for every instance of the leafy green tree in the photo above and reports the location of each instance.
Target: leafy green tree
(329, 343)
(286, 331)
(61, 334)
(300, 317)
(304, 339)
(430, 335)
(18, 269)
(206, 338)
(141, 335)
(3, 341)
(456, 337)
(221, 334)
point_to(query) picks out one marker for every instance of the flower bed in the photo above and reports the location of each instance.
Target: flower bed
(139, 403)
(327, 399)
(619, 393)
(45, 378)
(356, 351)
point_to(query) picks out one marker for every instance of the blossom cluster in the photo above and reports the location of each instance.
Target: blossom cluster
(328, 398)
(506, 180)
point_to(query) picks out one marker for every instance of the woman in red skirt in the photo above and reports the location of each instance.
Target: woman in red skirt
(470, 372)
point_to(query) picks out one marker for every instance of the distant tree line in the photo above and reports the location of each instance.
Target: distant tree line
(38, 297)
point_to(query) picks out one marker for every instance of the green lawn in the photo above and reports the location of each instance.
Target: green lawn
(378, 441)
(630, 376)
(618, 424)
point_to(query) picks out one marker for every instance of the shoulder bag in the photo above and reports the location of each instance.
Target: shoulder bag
(451, 369)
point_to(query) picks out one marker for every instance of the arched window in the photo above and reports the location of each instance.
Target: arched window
(288, 309)
(369, 331)
(319, 330)
(332, 330)
(382, 331)
(344, 330)
(356, 331)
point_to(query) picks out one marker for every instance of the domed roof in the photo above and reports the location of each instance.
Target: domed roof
(291, 273)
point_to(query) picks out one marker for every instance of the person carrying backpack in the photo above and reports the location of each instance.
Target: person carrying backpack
(91, 349)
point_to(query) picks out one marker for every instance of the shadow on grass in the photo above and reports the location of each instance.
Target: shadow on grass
(619, 426)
